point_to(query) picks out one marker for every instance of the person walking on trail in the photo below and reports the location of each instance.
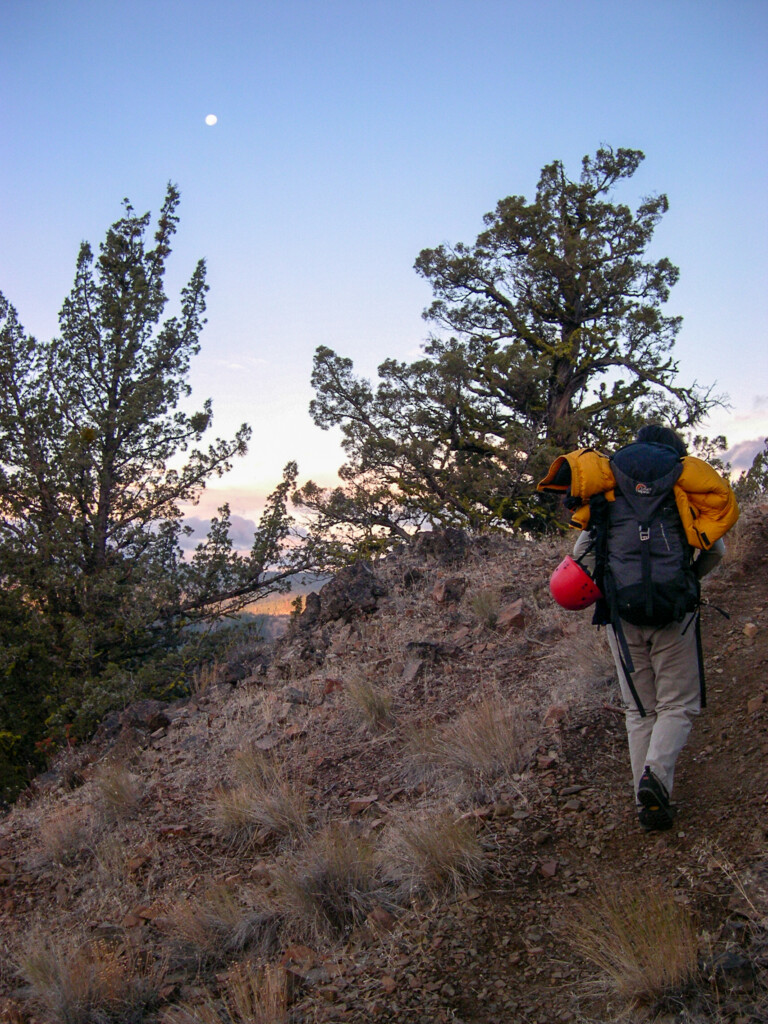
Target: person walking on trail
(652, 518)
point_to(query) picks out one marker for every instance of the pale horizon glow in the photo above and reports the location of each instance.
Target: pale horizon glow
(350, 136)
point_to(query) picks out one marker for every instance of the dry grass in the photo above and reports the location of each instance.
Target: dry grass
(93, 983)
(432, 851)
(119, 792)
(370, 704)
(204, 677)
(111, 857)
(485, 605)
(64, 835)
(331, 885)
(643, 942)
(250, 996)
(489, 741)
(218, 925)
(267, 802)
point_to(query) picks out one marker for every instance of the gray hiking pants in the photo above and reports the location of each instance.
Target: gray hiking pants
(666, 678)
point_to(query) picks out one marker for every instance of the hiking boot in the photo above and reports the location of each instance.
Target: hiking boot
(655, 811)
(655, 821)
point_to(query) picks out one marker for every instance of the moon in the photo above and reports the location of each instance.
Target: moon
(211, 119)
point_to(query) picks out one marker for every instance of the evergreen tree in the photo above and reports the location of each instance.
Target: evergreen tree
(96, 458)
(550, 335)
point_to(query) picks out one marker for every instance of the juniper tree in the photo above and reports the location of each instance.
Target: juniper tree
(96, 458)
(549, 334)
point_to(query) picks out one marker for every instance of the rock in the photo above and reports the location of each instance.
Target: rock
(511, 616)
(362, 803)
(731, 970)
(548, 868)
(412, 669)
(573, 805)
(354, 590)
(430, 651)
(449, 590)
(449, 545)
(389, 984)
(411, 578)
(755, 704)
(381, 919)
(311, 613)
(295, 696)
(143, 716)
(750, 630)
(554, 715)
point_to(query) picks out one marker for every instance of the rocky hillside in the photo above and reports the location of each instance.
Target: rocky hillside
(414, 807)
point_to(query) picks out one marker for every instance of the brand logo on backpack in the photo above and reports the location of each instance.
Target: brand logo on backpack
(642, 489)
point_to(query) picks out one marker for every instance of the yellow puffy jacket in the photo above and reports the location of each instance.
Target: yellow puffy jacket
(705, 501)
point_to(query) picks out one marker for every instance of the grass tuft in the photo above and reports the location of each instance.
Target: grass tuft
(94, 982)
(332, 884)
(119, 792)
(488, 742)
(250, 996)
(217, 926)
(64, 835)
(266, 803)
(643, 942)
(370, 704)
(432, 852)
(485, 606)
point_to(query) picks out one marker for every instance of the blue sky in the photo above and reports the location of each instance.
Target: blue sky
(353, 133)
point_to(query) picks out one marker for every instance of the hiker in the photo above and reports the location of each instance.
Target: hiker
(652, 520)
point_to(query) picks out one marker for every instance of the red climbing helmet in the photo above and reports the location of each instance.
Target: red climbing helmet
(572, 586)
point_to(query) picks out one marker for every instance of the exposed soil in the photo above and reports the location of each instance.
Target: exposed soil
(553, 835)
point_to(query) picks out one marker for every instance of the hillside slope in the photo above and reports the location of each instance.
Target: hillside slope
(333, 817)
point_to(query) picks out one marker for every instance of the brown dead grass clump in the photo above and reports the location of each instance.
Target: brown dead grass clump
(213, 928)
(643, 942)
(432, 851)
(267, 802)
(64, 834)
(119, 792)
(488, 742)
(485, 605)
(92, 982)
(369, 703)
(331, 885)
(250, 996)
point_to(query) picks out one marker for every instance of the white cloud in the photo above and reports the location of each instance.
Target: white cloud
(742, 455)
(241, 531)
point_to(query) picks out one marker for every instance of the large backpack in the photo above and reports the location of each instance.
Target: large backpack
(649, 578)
(644, 564)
